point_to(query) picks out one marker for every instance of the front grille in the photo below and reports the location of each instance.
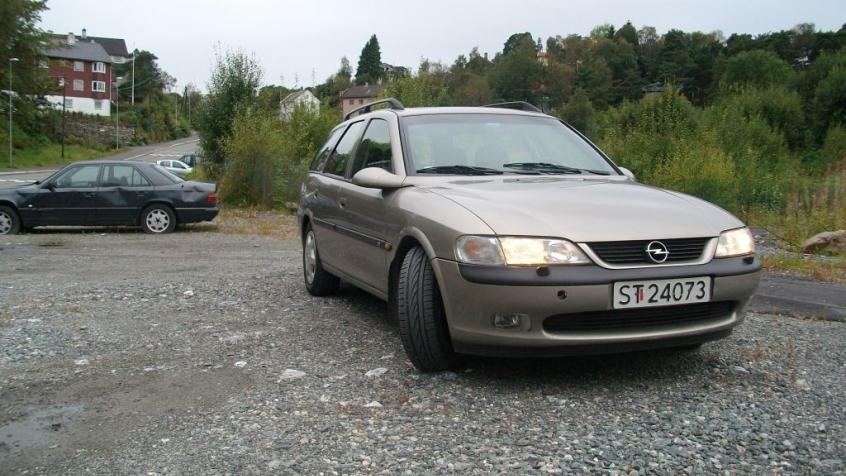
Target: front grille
(640, 318)
(634, 252)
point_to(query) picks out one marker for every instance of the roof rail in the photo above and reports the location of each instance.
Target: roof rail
(395, 105)
(519, 105)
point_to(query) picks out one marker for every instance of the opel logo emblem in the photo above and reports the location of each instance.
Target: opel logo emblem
(657, 251)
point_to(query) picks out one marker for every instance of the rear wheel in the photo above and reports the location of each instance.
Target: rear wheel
(420, 313)
(158, 218)
(318, 281)
(10, 222)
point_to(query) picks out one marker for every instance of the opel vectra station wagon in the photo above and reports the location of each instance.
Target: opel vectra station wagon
(503, 231)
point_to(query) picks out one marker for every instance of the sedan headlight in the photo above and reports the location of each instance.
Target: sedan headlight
(518, 251)
(735, 242)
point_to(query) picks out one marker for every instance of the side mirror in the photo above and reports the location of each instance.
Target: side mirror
(50, 186)
(374, 177)
(628, 173)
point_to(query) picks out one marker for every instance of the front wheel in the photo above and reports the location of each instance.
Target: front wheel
(10, 222)
(421, 316)
(158, 218)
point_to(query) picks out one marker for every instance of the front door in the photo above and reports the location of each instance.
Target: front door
(123, 191)
(71, 199)
(363, 219)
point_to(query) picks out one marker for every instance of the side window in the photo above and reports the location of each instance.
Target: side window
(337, 163)
(375, 148)
(326, 149)
(79, 177)
(123, 176)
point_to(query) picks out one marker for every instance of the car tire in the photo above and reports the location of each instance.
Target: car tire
(158, 218)
(421, 317)
(10, 222)
(318, 281)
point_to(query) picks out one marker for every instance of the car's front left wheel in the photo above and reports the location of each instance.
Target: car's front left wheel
(10, 222)
(421, 317)
(318, 281)
(158, 218)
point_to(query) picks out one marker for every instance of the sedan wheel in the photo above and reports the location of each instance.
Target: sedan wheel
(158, 219)
(10, 224)
(318, 281)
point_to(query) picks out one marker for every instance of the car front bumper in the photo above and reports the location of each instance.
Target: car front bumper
(194, 215)
(473, 294)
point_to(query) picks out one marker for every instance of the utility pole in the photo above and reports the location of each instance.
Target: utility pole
(62, 83)
(11, 60)
(133, 78)
(117, 112)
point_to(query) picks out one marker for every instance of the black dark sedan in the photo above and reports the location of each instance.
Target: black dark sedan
(108, 193)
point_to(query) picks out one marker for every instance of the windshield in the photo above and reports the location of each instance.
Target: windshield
(480, 144)
(168, 174)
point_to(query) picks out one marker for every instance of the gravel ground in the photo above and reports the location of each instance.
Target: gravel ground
(201, 353)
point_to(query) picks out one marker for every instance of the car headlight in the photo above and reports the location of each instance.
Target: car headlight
(518, 251)
(735, 242)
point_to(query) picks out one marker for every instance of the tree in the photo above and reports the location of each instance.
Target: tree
(516, 75)
(627, 33)
(579, 112)
(369, 63)
(518, 40)
(232, 88)
(757, 68)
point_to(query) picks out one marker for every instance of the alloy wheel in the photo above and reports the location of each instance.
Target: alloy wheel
(5, 223)
(158, 220)
(310, 252)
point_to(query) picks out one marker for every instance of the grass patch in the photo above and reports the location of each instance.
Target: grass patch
(251, 221)
(832, 270)
(51, 155)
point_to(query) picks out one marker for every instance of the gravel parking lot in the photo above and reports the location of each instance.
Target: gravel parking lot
(201, 353)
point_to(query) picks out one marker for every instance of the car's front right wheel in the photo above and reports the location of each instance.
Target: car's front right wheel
(421, 317)
(318, 281)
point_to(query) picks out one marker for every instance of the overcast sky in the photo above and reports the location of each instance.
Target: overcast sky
(292, 39)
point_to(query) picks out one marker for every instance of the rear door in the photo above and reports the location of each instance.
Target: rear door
(123, 191)
(330, 241)
(73, 198)
(363, 217)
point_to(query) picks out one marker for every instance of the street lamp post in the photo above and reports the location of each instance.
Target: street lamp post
(117, 112)
(64, 105)
(11, 60)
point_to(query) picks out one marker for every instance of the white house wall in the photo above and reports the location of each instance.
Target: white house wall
(83, 105)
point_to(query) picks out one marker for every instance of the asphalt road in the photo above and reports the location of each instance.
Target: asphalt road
(10, 178)
(200, 353)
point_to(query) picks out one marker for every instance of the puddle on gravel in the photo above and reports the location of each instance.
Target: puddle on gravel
(40, 427)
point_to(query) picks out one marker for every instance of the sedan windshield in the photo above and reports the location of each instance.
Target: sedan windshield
(481, 144)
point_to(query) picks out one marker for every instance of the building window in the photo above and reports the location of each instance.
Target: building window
(352, 101)
(78, 85)
(99, 67)
(98, 86)
(78, 66)
(43, 63)
(68, 103)
(98, 105)
(361, 101)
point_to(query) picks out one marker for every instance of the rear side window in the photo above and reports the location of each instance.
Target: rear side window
(375, 148)
(123, 176)
(337, 163)
(323, 153)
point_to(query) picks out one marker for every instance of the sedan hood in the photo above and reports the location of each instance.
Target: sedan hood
(585, 210)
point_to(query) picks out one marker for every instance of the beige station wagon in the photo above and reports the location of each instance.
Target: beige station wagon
(503, 231)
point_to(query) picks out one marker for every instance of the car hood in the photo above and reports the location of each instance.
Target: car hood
(585, 210)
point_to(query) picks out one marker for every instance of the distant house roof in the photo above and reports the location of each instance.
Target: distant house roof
(363, 91)
(294, 96)
(81, 50)
(653, 88)
(113, 46)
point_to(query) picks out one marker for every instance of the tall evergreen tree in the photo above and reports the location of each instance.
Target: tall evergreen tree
(369, 63)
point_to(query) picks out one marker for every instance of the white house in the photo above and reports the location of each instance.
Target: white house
(303, 98)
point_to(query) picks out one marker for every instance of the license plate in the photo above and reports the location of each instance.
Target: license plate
(661, 292)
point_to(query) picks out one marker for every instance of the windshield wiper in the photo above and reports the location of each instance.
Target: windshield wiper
(546, 167)
(459, 170)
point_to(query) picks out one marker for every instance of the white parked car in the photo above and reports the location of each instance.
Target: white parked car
(176, 167)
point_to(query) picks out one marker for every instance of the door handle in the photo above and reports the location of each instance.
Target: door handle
(342, 202)
(89, 194)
